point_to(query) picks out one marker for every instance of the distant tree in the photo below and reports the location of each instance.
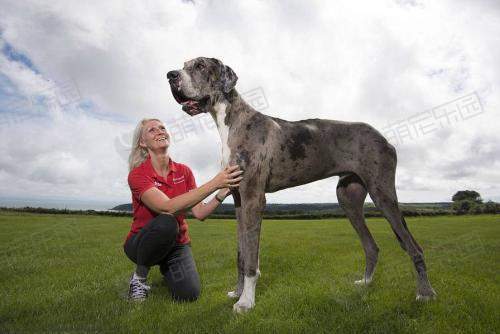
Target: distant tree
(476, 208)
(462, 207)
(491, 207)
(467, 195)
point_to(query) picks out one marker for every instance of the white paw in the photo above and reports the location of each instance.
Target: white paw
(233, 294)
(363, 281)
(426, 294)
(423, 298)
(243, 306)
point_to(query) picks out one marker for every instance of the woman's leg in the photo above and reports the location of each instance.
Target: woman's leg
(130, 249)
(153, 242)
(180, 273)
(148, 247)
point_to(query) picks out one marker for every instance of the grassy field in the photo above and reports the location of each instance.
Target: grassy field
(68, 274)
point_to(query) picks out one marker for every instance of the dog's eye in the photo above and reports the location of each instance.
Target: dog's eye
(200, 66)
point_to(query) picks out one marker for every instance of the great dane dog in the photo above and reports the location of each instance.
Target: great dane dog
(277, 154)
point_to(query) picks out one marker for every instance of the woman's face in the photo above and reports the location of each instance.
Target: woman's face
(154, 136)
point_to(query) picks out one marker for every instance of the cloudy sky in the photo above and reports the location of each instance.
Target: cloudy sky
(75, 78)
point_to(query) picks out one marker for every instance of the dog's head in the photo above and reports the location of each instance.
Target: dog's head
(201, 83)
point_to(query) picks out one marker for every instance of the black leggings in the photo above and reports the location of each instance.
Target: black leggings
(155, 244)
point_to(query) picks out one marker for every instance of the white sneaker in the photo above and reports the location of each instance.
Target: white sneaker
(138, 289)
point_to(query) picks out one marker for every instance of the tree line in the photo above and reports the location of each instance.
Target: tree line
(463, 202)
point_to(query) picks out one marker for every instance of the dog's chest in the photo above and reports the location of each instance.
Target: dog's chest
(220, 115)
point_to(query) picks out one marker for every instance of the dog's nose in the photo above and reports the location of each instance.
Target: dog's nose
(172, 75)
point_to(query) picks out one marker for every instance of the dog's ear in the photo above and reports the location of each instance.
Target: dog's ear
(228, 78)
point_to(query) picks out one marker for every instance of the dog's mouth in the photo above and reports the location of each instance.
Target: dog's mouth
(190, 105)
(194, 107)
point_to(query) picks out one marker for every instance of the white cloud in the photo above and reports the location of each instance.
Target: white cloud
(348, 60)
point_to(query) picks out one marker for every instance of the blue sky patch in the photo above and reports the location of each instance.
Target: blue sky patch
(14, 55)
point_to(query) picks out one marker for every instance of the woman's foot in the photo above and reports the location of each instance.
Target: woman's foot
(138, 289)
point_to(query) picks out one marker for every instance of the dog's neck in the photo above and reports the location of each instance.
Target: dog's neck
(230, 114)
(231, 111)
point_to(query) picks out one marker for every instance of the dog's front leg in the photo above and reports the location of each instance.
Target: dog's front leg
(252, 206)
(236, 293)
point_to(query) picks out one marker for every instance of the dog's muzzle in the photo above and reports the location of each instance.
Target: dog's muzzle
(191, 106)
(195, 107)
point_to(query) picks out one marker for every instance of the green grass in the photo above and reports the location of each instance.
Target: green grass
(68, 273)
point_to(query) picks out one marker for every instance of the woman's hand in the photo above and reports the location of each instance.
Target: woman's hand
(224, 192)
(228, 178)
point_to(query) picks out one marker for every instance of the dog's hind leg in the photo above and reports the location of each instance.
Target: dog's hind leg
(383, 192)
(351, 194)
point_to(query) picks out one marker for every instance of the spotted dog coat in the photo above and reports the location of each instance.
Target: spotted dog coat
(277, 154)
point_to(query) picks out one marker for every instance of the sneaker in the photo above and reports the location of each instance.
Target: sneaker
(138, 289)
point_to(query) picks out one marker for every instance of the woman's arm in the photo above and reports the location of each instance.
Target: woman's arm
(157, 201)
(203, 210)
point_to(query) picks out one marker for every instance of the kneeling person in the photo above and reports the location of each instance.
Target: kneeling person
(162, 192)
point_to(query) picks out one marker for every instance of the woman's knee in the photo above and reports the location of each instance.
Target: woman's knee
(166, 223)
(188, 294)
(182, 280)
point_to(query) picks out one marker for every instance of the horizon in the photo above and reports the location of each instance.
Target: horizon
(85, 204)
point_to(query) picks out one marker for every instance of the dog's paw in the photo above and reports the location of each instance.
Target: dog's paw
(426, 295)
(363, 282)
(243, 306)
(233, 294)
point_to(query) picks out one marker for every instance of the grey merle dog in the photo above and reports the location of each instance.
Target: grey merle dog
(277, 154)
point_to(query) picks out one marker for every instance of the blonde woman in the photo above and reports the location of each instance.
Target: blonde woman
(162, 192)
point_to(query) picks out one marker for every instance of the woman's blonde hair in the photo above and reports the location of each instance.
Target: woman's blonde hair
(138, 154)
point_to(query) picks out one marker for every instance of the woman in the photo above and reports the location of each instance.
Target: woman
(162, 192)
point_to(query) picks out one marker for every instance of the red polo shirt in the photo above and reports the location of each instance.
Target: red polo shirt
(179, 180)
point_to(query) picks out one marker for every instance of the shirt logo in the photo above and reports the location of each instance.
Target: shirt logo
(178, 179)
